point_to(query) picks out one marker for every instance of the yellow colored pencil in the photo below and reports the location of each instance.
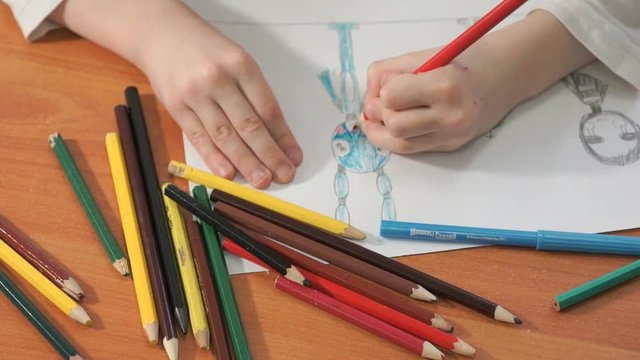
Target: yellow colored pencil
(58, 297)
(186, 265)
(310, 217)
(141, 282)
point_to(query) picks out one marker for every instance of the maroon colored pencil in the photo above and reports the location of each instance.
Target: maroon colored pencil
(165, 320)
(215, 316)
(326, 253)
(47, 265)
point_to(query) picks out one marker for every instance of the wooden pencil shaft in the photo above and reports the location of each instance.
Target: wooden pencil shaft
(274, 260)
(35, 317)
(350, 281)
(597, 285)
(326, 253)
(149, 244)
(36, 256)
(223, 282)
(60, 299)
(131, 230)
(186, 265)
(209, 293)
(154, 197)
(363, 303)
(356, 251)
(89, 205)
(353, 316)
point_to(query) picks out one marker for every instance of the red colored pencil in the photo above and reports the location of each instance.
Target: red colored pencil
(471, 35)
(360, 319)
(370, 307)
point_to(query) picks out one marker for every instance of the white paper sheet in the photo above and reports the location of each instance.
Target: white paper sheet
(533, 172)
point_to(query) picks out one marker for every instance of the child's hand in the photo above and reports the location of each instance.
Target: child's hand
(443, 109)
(440, 110)
(218, 95)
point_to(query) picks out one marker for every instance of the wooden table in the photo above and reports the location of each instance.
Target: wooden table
(66, 84)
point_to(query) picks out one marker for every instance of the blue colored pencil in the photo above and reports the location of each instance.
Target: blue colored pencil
(541, 239)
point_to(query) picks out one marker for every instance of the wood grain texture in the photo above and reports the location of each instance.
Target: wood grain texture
(69, 85)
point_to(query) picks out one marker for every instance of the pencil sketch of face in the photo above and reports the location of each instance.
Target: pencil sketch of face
(610, 137)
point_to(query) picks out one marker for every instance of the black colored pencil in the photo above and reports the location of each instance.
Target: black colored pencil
(222, 225)
(149, 243)
(156, 204)
(429, 282)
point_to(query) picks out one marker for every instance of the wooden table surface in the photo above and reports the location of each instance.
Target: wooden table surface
(66, 84)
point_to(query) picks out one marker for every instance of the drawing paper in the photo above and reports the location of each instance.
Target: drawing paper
(534, 171)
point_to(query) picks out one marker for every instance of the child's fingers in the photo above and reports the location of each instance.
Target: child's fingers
(215, 160)
(414, 122)
(378, 69)
(251, 128)
(380, 136)
(265, 104)
(407, 91)
(226, 138)
(373, 110)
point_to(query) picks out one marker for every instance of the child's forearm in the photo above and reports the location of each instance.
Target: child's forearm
(535, 53)
(123, 26)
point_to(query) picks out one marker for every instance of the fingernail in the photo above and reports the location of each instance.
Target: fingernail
(258, 176)
(223, 171)
(284, 172)
(294, 155)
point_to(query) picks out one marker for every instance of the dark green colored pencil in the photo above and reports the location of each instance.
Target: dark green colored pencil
(223, 282)
(89, 205)
(35, 317)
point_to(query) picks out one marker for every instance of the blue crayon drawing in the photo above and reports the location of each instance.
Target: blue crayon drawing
(351, 149)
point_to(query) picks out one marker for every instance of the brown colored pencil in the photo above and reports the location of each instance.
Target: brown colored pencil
(161, 297)
(429, 282)
(210, 296)
(385, 278)
(47, 265)
(356, 283)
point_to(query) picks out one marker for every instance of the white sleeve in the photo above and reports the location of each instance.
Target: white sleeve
(609, 29)
(31, 16)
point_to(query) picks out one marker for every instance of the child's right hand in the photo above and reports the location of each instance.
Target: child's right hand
(440, 110)
(443, 109)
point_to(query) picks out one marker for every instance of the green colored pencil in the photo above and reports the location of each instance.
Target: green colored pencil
(35, 317)
(89, 205)
(596, 286)
(223, 282)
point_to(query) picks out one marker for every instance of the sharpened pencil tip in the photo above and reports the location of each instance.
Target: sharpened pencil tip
(294, 275)
(71, 285)
(183, 319)
(423, 294)
(171, 347)
(501, 314)
(152, 330)
(122, 266)
(438, 322)
(354, 234)
(80, 315)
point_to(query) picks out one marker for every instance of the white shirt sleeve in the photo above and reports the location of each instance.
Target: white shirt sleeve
(31, 16)
(610, 29)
